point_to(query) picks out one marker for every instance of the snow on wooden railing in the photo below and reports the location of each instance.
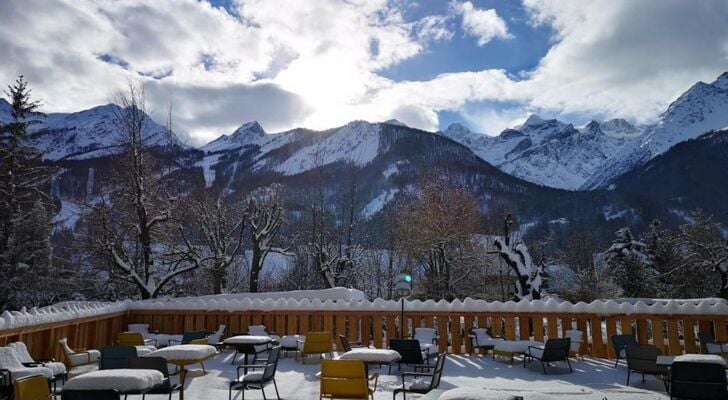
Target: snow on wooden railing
(67, 311)
(671, 325)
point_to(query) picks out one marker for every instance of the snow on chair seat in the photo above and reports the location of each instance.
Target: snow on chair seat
(371, 355)
(124, 380)
(184, 352)
(10, 362)
(22, 354)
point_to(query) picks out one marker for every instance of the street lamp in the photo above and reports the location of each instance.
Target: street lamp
(402, 288)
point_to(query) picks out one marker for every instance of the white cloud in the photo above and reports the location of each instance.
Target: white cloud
(485, 25)
(319, 64)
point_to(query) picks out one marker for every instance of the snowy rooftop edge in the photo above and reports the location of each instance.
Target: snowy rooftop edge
(74, 310)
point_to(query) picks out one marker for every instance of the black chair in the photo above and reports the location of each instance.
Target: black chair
(158, 364)
(697, 381)
(257, 380)
(187, 337)
(409, 351)
(435, 376)
(90, 395)
(115, 357)
(707, 339)
(620, 344)
(643, 359)
(553, 350)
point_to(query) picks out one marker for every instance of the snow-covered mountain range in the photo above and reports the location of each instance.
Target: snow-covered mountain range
(85, 134)
(556, 154)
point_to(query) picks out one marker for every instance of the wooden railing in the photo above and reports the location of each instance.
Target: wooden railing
(88, 332)
(673, 334)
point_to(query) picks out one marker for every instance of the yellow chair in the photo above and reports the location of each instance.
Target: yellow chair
(32, 388)
(315, 343)
(346, 379)
(130, 339)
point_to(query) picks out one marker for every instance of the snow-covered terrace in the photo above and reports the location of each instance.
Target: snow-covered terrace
(671, 325)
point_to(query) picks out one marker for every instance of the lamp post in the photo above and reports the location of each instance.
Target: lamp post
(402, 288)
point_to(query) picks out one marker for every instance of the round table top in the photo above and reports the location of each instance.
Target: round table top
(184, 352)
(248, 339)
(123, 380)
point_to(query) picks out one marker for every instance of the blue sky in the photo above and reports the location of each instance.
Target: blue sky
(487, 64)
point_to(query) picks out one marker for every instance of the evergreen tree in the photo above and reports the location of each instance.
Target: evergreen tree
(631, 266)
(25, 250)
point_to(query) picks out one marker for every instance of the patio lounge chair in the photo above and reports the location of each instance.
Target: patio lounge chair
(697, 381)
(482, 338)
(620, 344)
(708, 345)
(315, 343)
(409, 350)
(643, 359)
(116, 357)
(346, 379)
(258, 379)
(31, 388)
(159, 364)
(577, 338)
(90, 395)
(14, 369)
(78, 357)
(22, 354)
(553, 350)
(422, 384)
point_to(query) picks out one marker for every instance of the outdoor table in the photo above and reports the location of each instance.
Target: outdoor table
(246, 344)
(183, 355)
(124, 380)
(371, 356)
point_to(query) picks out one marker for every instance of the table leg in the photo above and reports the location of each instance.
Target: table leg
(182, 376)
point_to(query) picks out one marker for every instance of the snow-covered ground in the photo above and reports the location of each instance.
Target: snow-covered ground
(591, 379)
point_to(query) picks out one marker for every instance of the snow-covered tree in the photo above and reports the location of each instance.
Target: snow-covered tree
(134, 226)
(25, 222)
(631, 265)
(529, 275)
(705, 254)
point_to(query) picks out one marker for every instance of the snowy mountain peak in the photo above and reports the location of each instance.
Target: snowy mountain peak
(395, 122)
(539, 126)
(252, 128)
(456, 129)
(249, 133)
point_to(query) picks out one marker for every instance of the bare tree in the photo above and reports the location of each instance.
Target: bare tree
(213, 240)
(266, 219)
(133, 224)
(436, 228)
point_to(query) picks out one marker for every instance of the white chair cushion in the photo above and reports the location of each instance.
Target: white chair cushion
(9, 361)
(371, 355)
